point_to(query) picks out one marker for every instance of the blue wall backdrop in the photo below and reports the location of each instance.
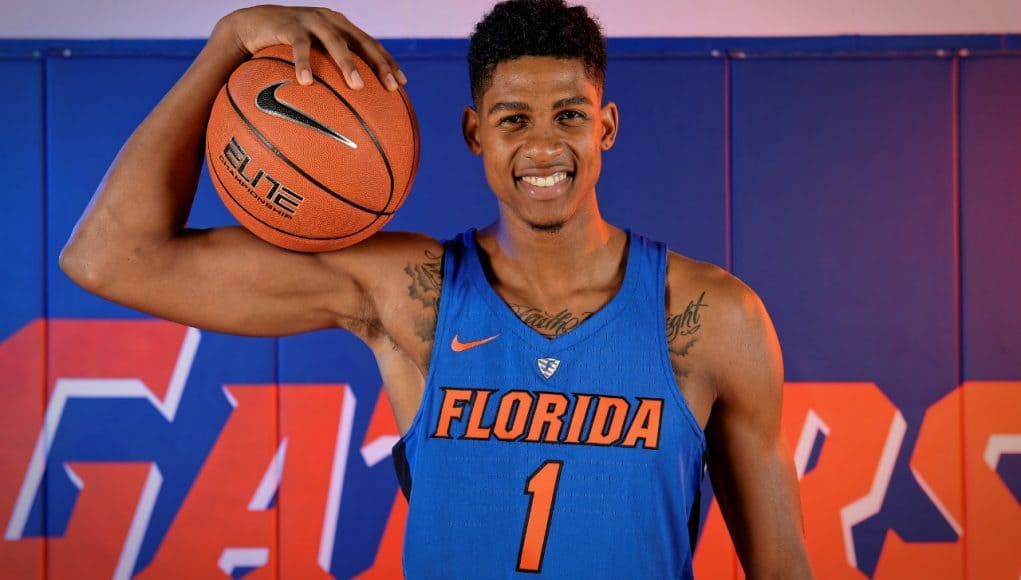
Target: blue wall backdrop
(867, 188)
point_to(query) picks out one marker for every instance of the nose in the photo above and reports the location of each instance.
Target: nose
(542, 144)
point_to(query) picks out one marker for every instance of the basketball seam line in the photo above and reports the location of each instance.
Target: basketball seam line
(418, 146)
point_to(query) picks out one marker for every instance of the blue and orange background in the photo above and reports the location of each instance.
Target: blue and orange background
(868, 188)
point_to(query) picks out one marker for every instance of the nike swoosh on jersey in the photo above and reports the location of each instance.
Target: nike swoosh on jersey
(268, 102)
(458, 346)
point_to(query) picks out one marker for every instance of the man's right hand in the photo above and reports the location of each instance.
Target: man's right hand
(253, 29)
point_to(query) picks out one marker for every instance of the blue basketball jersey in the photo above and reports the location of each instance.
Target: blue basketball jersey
(571, 457)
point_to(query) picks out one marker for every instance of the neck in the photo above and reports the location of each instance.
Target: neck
(585, 252)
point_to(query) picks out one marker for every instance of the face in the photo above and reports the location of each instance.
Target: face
(541, 130)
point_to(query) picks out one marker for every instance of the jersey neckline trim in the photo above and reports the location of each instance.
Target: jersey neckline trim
(550, 346)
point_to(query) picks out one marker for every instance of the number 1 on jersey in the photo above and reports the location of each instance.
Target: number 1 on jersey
(542, 486)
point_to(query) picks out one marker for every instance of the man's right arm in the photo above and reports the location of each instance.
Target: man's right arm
(132, 247)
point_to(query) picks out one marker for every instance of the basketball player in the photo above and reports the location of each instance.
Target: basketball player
(558, 381)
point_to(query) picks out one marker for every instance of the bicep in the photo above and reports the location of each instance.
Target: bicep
(227, 280)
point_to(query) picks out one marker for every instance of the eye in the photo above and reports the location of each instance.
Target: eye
(511, 120)
(571, 115)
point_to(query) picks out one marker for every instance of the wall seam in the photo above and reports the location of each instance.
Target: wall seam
(278, 540)
(728, 204)
(728, 178)
(44, 163)
(959, 287)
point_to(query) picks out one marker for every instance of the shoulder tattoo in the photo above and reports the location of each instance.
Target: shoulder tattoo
(426, 280)
(683, 331)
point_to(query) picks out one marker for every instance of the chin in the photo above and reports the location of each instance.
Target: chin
(548, 219)
(546, 227)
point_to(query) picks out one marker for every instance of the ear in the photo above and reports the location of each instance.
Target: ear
(470, 130)
(609, 117)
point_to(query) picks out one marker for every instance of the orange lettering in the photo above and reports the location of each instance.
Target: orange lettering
(475, 430)
(21, 419)
(863, 432)
(936, 466)
(510, 417)
(217, 514)
(548, 412)
(578, 418)
(992, 429)
(608, 421)
(96, 539)
(645, 424)
(451, 408)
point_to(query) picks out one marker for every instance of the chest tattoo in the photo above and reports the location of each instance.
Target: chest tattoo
(549, 324)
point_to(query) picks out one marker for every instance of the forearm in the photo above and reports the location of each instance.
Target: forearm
(147, 193)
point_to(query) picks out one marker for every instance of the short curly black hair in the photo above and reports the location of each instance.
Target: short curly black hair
(517, 28)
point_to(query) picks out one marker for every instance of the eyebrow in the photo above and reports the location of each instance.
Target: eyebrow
(569, 101)
(508, 106)
(520, 106)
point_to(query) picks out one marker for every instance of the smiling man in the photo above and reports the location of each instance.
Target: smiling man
(559, 382)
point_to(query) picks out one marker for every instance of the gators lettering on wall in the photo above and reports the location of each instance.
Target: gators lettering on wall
(273, 467)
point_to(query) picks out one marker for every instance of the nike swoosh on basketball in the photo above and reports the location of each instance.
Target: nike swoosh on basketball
(268, 102)
(457, 346)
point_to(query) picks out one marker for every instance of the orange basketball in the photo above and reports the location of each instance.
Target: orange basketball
(310, 168)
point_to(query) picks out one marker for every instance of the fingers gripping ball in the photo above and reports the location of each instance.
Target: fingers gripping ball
(310, 168)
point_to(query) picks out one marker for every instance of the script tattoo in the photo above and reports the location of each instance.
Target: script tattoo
(426, 282)
(551, 325)
(687, 323)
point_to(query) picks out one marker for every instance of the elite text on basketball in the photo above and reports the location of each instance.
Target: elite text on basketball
(279, 198)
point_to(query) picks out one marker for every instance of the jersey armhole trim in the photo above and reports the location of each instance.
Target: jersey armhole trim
(664, 347)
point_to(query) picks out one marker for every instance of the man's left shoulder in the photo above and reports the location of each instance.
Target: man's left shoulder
(722, 345)
(734, 305)
(737, 344)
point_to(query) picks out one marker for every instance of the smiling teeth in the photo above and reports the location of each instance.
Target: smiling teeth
(549, 181)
